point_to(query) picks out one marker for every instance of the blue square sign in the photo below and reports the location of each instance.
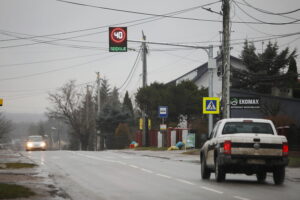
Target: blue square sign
(163, 111)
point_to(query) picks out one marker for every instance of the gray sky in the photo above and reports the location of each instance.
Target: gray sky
(29, 71)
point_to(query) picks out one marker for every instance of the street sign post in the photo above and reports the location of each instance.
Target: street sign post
(117, 39)
(163, 111)
(211, 105)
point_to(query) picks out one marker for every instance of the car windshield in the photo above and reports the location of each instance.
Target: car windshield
(247, 127)
(35, 138)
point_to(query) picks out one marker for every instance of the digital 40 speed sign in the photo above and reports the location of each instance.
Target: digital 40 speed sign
(117, 39)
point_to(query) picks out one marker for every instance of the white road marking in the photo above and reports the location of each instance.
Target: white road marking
(212, 190)
(241, 198)
(165, 176)
(133, 166)
(184, 181)
(146, 170)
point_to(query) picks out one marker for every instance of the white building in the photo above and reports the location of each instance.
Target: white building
(200, 75)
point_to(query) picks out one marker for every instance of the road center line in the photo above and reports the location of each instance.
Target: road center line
(241, 198)
(146, 170)
(133, 166)
(212, 190)
(165, 176)
(184, 181)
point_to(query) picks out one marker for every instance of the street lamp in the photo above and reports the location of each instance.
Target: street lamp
(54, 128)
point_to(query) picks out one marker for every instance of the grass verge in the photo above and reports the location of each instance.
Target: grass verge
(151, 149)
(11, 191)
(192, 152)
(16, 165)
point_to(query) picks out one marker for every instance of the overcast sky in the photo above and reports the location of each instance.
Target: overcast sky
(74, 42)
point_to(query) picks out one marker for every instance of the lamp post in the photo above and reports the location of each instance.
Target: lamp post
(58, 134)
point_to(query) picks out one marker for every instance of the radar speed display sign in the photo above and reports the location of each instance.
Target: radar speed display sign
(117, 39)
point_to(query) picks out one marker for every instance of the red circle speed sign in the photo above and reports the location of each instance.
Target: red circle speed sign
(118, 35)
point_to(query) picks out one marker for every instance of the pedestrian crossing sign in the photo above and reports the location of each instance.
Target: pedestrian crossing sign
(211, 105)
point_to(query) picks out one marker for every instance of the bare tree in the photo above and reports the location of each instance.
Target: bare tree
(70, 106)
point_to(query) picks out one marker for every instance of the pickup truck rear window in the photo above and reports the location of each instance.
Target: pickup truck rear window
(247, 127)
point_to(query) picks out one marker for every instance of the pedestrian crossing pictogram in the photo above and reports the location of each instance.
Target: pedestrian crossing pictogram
(211, 105)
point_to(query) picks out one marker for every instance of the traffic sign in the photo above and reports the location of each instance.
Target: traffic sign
(163, 111)
(1, 102)
(211, 105)
(117, 39)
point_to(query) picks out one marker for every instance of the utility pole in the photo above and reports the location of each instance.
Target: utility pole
(211, 67)
(145, 121)
(226, 60)
(98, 134)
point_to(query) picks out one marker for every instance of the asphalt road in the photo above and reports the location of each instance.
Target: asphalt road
(113, 175)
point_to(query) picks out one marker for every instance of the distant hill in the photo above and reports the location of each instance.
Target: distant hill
(25, 117)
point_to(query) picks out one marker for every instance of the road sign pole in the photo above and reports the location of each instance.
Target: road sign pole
(210, 85)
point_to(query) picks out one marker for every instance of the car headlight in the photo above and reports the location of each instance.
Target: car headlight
(29, 144)
(43, 144)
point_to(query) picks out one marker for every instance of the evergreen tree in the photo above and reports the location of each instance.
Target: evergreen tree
(265, 70)
(104, 92)
(127, 104)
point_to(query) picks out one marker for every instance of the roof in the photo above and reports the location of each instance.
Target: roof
(202, 69)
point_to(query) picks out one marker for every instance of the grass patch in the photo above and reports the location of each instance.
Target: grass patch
(294, 161)
(11, 191)
(16, 165)
(192, 152)
(151, 148)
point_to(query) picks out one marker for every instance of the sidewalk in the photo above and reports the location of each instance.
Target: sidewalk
(292, 174)
(34, 178)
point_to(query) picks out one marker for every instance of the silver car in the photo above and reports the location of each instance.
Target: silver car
(35, 142)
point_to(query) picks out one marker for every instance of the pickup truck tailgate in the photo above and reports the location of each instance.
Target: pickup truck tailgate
(256, 144)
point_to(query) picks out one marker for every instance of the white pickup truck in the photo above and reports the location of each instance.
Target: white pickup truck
(240, 145)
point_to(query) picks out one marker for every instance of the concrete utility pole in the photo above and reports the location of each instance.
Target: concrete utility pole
(211, 67)
(226, 60)
(145, 121)
(98, 110)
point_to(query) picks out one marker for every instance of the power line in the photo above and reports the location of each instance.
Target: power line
(269, 12)
(161, 15)
(46, 61)
(55, 70)
(106, 26)
(269, 23)
(130, 75)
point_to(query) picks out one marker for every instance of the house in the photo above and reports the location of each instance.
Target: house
(200, 75)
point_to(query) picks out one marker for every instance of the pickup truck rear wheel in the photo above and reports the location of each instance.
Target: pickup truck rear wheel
(205, 172)
(278, 175)
(261, 176)
(219, 171)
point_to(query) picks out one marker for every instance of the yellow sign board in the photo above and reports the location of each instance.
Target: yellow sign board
(141, 124)
(1, 102)
(211, 105)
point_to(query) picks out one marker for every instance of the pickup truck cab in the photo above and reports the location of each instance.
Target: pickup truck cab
(243, 145)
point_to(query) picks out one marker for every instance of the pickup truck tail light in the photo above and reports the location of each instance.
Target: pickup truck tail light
(227, 147)
(285, 149)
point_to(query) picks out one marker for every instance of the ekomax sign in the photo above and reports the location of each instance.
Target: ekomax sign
(244, 103)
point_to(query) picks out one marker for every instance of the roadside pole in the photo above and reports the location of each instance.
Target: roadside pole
(226, 60)
(211, 66)
(144, 114)
(99, 139)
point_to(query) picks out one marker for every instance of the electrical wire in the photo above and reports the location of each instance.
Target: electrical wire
(269, 23)
(106, 26)
(158, 15)
(46, 61)
(130, 75)
(55, 70)
(269, 12)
